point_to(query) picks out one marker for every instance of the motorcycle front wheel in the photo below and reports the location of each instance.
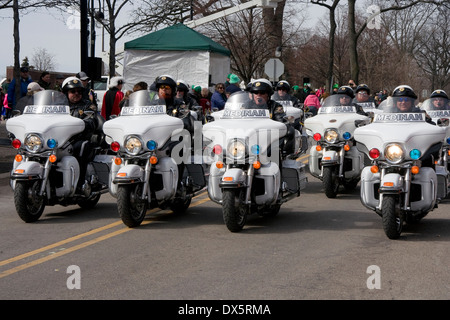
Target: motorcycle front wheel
(29, 205)
(330, 182)
(234, 212)
(132, 209)
(392, 223)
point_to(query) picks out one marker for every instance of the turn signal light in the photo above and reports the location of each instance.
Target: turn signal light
(117, 161)
(219, 164)
(374, 169)
(319, 148)
(153, 160)
(18, 158)
(256, 165)
(346, 147)
(448, 152)
(415, 169)
(52, 158)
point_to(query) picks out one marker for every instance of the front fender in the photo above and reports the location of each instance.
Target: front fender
(233, 178)
(330, 157)
(29, 170)
(131, 173)
(392, 183)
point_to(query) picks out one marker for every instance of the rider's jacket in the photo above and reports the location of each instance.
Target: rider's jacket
(79, 109)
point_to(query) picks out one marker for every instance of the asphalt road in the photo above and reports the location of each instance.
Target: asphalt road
(315, 249)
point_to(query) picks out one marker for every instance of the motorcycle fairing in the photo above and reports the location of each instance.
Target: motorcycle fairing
(27, 170)
(49, 126)
(158, 127)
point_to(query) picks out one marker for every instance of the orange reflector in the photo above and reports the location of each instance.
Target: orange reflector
(326, 158)
(219, 164)
(118, 161)
(346, 147)
(227, 178)
(415, 169)
(52, 158)
(19, 171)
(153, 160)
(388, 184)
(18, 158)
(448, 152)
(256, 164)
(121, 174)
(318, 148)
(374, 169)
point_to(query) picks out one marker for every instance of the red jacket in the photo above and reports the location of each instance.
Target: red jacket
(111, 101)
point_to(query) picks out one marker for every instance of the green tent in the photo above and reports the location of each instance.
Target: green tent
(176, 38)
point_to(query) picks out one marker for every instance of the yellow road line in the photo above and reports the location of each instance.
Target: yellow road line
(77, 247)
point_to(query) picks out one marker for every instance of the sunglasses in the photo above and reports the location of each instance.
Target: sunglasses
(220, 88)
(73, 91)
(163, 86)
(402, 99)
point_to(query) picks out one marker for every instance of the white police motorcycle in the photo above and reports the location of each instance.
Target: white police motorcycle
(438, 108)
(401, 185)
(153, 167)
(334, 159)
(45, 172)
(247, 174)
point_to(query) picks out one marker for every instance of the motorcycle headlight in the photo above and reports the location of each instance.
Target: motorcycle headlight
(133, 145)
(394, 153)
(331, 136)
(236, 149)
(33, 143)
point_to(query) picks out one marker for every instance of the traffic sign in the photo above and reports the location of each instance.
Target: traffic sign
(274, 68)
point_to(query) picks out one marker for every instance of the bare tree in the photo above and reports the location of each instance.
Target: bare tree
(43, 60)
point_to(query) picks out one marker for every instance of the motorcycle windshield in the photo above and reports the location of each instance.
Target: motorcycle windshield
(244, 104)
(437, 107)
(142, 102)
(399, 109)
(48, 102)
(338, 103)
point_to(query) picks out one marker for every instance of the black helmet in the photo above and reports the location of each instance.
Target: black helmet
(439, 93)
(404, 91)
(182, 86)
(261, 85)
(364, 87)
(283, 84)
(167, 80)
(347, 91)
(71, 83)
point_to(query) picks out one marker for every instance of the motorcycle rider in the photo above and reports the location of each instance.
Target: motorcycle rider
(403, 100)
(282, 93)
(363, 94)
(182, 94)
(345, 99)
(80, 108)
(261, 90)
(439, 100)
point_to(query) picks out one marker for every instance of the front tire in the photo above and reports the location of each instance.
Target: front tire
(234, 212)
(330, 182)
(392, 223)
(29, 205)
(132, 209)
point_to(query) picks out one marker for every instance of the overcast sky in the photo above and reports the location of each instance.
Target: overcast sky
(56, 33)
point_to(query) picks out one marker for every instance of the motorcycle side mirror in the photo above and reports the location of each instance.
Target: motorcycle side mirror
(360, 123)
(443, 122)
